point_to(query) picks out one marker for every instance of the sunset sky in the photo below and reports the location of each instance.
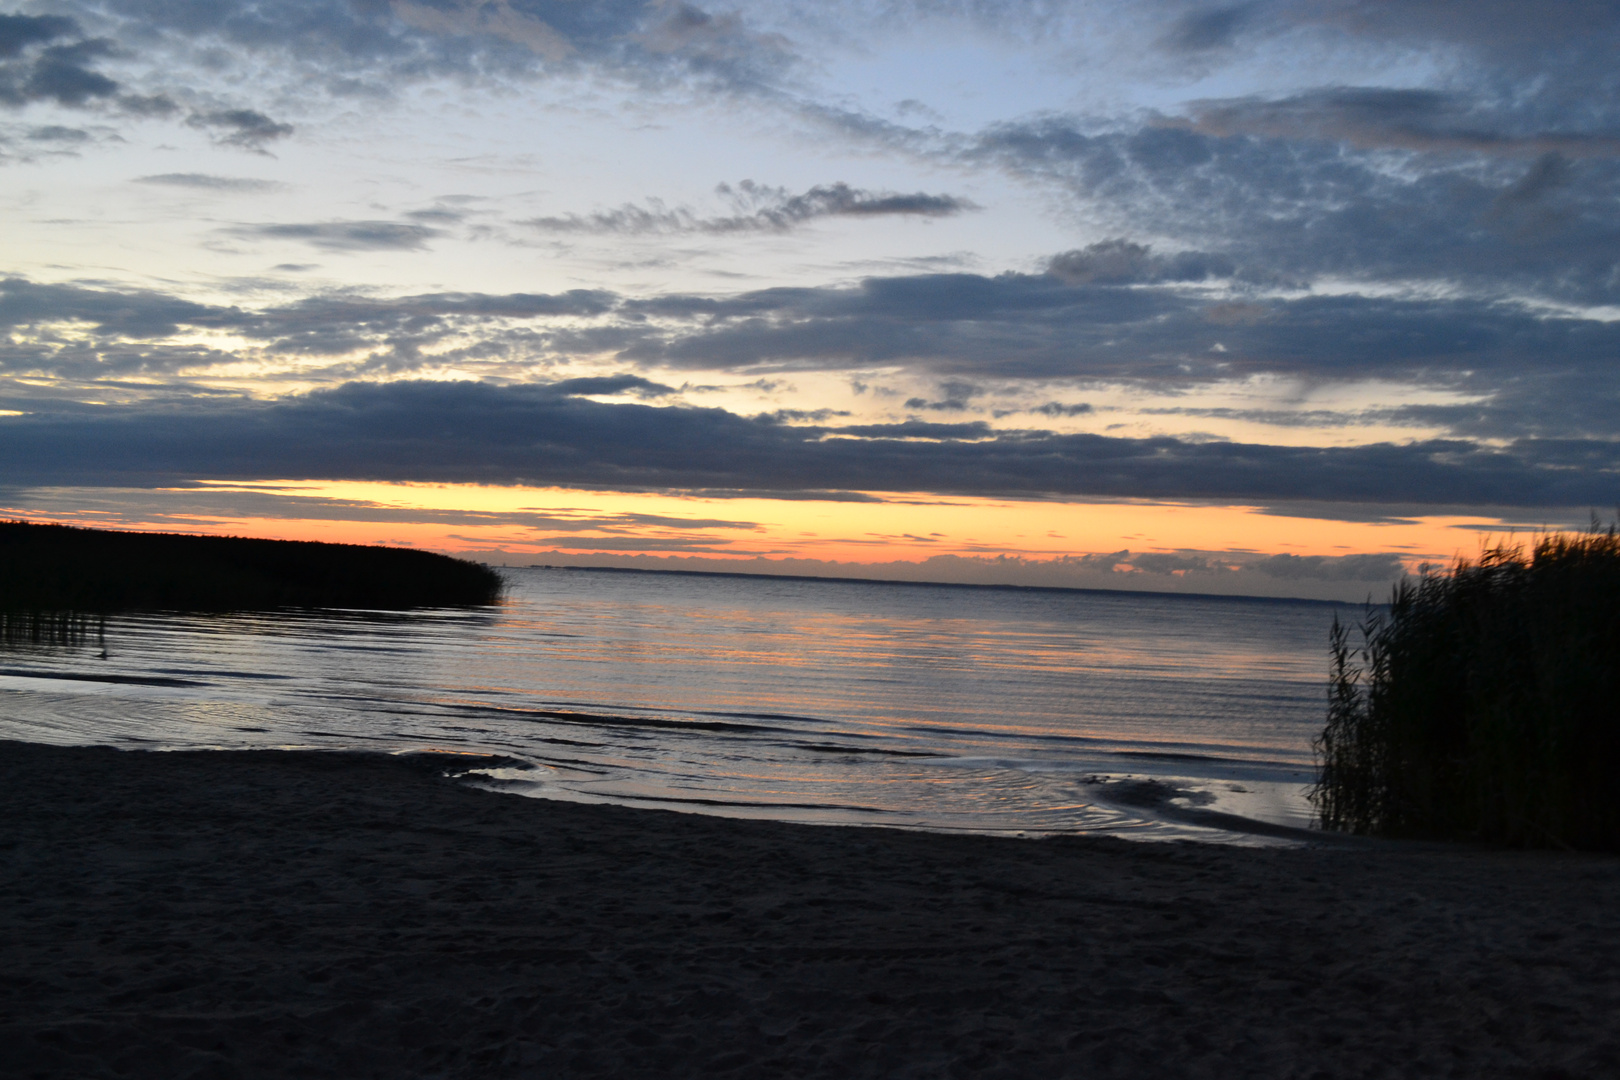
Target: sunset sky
(1280, 298)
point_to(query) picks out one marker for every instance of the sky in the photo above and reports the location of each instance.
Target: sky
(1287, 297)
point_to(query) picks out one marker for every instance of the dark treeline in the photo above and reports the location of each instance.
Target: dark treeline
(1484, 704)
(63, 568)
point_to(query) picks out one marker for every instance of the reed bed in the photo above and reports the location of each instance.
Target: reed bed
(51, 628)
(1483, 703)
(61, 568)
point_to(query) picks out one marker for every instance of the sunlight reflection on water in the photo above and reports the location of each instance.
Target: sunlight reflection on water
(920, 706)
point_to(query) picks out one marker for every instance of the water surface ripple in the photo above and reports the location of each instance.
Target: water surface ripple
(833, 701)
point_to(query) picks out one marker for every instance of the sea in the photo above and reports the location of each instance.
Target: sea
(955, 708)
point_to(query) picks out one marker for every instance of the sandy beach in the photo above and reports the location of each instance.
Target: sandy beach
(275, 914)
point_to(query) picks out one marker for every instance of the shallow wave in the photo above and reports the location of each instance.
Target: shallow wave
(832, 701)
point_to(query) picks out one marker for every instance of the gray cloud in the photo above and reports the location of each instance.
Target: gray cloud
(468, 432)
(58, 134)
(610, 385)
(49, 59)
(371, 48)
(1121, 262)
(1507, 33)
(956, 395)
(1056, 409)
(722, 47)
(38, 64)
(800, 416)
(209, 182)
(147, 105)
(757, 208)
(338, 323)
(181, 506)
(1378, 117)
(129, 313)
(1295, 210)
(1034, 326)
(1533, 375)
(919, 429)
(705, 544)
(1157, 562)
(19, 32)
(347, 235)
(1331, 567)
(133, 323)
(1205, 29)
(246, 128)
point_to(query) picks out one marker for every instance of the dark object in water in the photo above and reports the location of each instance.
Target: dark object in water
(1485, 704)
(63, 568)
(50, 627)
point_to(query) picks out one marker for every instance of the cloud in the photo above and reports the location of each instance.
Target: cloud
(1203, 30)
(801, 416)
(757, 208)
(49, 59)
(338, 323)
(956, 397)
(640, 542)
(18, 32)
(1289, 211)
(1330, 567)
(1550, 172)
(919, 429)
(610, 385)
(128, 313)
(347, 235)
(58, 134)
(720, 46)
(209, 182)
(1121, 262)
(1163, 562)
(496, 19)
(970, 328)
(34, 67)
(841, 200)
(181, 506)
(1381, 117)
(469, 432)
(1056, 409)
(379, 47)
(1513, 372)
(147, 105)
(245, 128)
(1505, 33)
(326, 324)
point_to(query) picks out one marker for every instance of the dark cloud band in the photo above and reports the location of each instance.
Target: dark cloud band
(469, 432)
(757, 208)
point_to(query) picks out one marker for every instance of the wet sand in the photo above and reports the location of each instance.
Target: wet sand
(310, 915)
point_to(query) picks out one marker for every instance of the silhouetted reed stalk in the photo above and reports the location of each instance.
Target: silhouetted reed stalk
(1484, 703)
(51, 628)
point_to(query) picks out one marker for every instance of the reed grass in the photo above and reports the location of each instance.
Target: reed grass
(1483, 703)
(49, 570)
(51, 628)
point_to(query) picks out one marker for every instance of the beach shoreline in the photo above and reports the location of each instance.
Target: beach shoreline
(270, 913)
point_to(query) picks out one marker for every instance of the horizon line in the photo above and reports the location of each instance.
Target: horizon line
(937, 584)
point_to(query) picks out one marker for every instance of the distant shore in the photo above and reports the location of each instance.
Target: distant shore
(918, 583)
(269, 914)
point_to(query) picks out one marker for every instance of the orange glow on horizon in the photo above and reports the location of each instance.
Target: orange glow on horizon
(511, 524)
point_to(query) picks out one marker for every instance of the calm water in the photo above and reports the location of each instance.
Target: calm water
(919, 706)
